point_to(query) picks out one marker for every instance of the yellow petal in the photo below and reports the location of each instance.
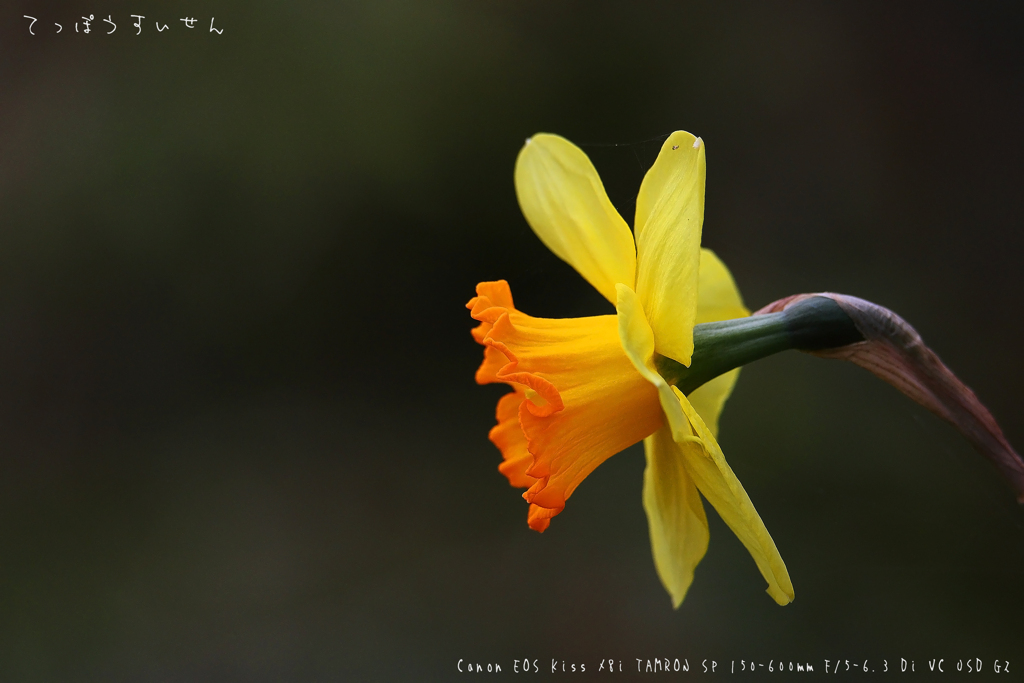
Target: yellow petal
(564, 202)
(718, 297)
(706, 464)
(703, 457)
(637, 339)
(675, 515)
(669, 216)
(709, 399)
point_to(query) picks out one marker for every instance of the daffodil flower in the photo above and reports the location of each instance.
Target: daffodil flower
(584, 389)
(661, 368)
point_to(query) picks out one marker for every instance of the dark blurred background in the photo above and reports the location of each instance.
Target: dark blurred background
(239, 434)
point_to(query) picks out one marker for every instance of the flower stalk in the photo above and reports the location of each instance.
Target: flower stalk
(812, 324)
(847, 328)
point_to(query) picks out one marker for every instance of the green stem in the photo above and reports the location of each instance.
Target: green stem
(810, 325)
